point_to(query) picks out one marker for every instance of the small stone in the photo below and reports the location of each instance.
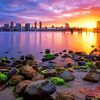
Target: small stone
(67, 76)
(15, 80)
(65, 96)
(92, 77)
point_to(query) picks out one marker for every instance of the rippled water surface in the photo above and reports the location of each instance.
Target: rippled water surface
(19, 43)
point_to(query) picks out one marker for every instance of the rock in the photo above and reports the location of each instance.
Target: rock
(27, 71)
(56, 54)
(70, 52)
(89, 97)
(57, 81)
(38, 77)
(76, 58)
(29, 57)
(22, 57)
(81, 63)
(47, 51)
(69, 65)
(65, 56)
(39, 88)
(92, 77)
(98, 64)
(49, 73)
(65, 96)
(70, 69)
(47, 65)
(30, 62)
(89, 57)
(49, 56)
(12, 72)
(64, 50)
(20, 87)
(59, 70)
(67, 76)
(3, 78)
(15, 80)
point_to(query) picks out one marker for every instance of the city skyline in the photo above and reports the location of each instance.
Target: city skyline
(56, 12)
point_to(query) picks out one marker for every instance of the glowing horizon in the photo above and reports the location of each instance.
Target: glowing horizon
(79, 13)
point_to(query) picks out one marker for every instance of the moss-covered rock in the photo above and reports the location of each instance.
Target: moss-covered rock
(57, 81)
(3, 77)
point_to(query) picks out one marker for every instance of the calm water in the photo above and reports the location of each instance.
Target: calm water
(35, 42)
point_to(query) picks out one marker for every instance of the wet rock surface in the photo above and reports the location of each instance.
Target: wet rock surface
(27, 71)
(39, 88)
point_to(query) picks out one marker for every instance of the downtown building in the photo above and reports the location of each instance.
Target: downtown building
(6, 27)
(98, 24)
(27, 27)
(18, 27)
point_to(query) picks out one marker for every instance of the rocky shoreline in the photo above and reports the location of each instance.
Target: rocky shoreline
(66, 75)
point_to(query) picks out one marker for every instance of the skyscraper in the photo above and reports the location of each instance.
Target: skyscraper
(12, 26)
(6, 27)
(98, 24)
(18, 27)
(67, 25)
(40, 25)
(27, 27)
(35, 25)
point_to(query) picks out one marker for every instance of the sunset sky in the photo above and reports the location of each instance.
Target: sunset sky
(56, 12)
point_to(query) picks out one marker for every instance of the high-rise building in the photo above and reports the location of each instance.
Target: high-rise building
(67, 25)
(18, 27)
(35, 25)
(98, 24)
(12, 26)
(27, 27)
(6, 27)
(40, 25)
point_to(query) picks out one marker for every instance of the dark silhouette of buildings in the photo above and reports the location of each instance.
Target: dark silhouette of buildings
(6, 27)
(12, 26)
(40, 25)
(35, 25)
(27, 27)
(98, 24)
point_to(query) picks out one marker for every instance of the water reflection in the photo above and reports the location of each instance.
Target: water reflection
(34, 42)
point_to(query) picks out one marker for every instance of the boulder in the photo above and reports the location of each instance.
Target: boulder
(65, 96)
(12, 72)
(20, 87)
(67, 76)
(92, 77)
(15, 80)
(38, 77)
(49, 72)
(39, 89)
(57, 81)
(27, 71)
